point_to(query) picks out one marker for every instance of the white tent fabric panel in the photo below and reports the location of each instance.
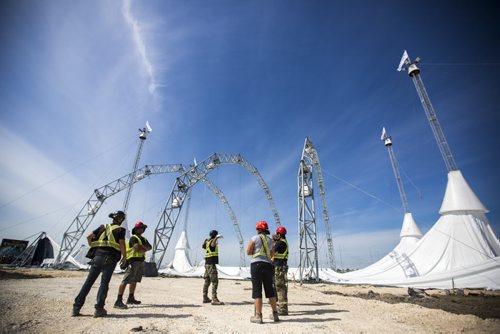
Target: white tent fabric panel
(409, 237)
(459, 195)
(456, 241)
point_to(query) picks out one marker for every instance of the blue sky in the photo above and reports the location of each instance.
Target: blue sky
(250, 77)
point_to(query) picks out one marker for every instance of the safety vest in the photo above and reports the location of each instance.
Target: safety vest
(264, 250)
(282, 256)
(131, 252)
(108, 235)
(208, 252)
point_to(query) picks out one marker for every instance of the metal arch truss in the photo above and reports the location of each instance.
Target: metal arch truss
(173, 206)
(75, 231)
(308, 265)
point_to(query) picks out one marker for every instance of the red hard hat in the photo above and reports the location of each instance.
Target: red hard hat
(139, 225)
(281, 230)
(262, 225)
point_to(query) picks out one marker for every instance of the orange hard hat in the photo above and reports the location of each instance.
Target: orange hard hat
(262, 225)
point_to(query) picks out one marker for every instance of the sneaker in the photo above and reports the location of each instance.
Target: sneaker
(274, 317)
(100, 312)
(133, 301)
(257, 319)
(119, 304)
(76, 312)
(207, 300)
(284, 312)
(215, 301)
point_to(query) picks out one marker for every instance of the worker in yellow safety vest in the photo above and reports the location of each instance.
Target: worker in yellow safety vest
(211, 247)
(280, 262)
(260, 248)
(107, 247)
(137, 246)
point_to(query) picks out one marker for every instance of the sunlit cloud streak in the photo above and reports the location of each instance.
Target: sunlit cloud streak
(139, 44)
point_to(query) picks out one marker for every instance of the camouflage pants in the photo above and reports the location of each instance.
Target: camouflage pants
(210, 277)
(281, 282)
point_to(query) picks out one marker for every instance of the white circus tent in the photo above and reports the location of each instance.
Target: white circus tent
(460, 250)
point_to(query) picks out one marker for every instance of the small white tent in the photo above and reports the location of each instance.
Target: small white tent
(181, 262)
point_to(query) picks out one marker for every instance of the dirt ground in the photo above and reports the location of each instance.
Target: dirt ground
(40, 301)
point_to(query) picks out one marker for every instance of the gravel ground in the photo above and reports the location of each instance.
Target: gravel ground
(40, 301)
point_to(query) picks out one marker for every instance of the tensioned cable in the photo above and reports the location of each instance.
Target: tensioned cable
(70, 206)
(31, 236)
(34, 218)
(362, 190)
(469, 246)
(3, 205)
(411, 182)
(460, 64)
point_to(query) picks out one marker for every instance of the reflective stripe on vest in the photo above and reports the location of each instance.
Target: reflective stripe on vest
(264, 250)
(107, 234)
(131, 253)
(208, 252)
(282, 256)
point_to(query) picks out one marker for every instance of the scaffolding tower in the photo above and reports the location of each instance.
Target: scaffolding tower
(308, 265)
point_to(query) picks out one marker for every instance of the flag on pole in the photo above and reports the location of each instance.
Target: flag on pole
(148, 128)
(403, 60)
(384, 134)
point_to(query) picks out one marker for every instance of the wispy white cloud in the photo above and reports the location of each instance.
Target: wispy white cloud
(34, 190)
(140, 46)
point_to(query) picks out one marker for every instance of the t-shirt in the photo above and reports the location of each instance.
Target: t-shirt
(132, 241)
(257, 241)
(280, 247)
(211, 259)
(119, 234)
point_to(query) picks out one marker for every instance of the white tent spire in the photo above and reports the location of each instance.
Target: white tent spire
(459, 196)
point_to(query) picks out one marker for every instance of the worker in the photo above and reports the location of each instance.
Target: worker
(260, 248)
(280, 262)
(107, 246)
(211, 247)
(137, 246)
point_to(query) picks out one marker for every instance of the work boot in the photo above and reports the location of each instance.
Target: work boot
(132, 300)
(216, 301)
(206, 299)
(257, 318)
(119, 304)
(274, 317)
(76, 312)
(100, 312)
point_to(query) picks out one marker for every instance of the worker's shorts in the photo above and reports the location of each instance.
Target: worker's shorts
(134, 272)
(262, 274)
